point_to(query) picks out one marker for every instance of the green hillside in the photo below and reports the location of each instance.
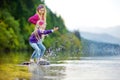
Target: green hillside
(15, 28)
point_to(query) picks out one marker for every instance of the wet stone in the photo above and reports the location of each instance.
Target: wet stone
(39, 63)
(43, 62)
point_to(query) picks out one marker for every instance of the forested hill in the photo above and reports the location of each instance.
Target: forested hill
(15, 28)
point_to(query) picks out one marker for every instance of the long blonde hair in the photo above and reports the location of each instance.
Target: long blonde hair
(35, 32)
(43, 15)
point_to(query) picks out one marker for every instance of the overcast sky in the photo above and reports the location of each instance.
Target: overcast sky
(87, 15)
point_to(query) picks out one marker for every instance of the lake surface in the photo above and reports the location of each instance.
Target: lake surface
(87, 68)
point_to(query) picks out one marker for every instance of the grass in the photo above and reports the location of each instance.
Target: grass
(9, 69)
(12, 72)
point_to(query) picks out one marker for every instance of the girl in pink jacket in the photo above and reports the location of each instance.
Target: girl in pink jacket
(39, 19)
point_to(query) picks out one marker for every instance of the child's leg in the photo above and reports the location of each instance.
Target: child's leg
(42, 48)
(33, 55)
(36, 52)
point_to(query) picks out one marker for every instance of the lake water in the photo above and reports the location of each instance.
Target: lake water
(87, 68)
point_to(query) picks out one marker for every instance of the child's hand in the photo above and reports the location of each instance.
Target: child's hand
(55, 28)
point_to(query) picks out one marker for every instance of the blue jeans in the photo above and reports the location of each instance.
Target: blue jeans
(39, 50)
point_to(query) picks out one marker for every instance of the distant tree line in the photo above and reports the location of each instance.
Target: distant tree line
(93, 48)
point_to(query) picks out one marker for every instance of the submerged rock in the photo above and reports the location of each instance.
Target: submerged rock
(43, 62)
(39, 63)
(26, 63)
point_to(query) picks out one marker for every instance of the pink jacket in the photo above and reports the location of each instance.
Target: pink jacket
(33, 19)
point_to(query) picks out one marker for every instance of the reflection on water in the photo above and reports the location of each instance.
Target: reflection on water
(46, 72)
(93, 70)
(85, 69)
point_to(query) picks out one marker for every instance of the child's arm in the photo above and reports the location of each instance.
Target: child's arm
(47, 31)
(33, 19)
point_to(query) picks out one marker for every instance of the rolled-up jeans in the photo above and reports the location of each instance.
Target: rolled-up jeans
(39, 50)
(42, 48)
